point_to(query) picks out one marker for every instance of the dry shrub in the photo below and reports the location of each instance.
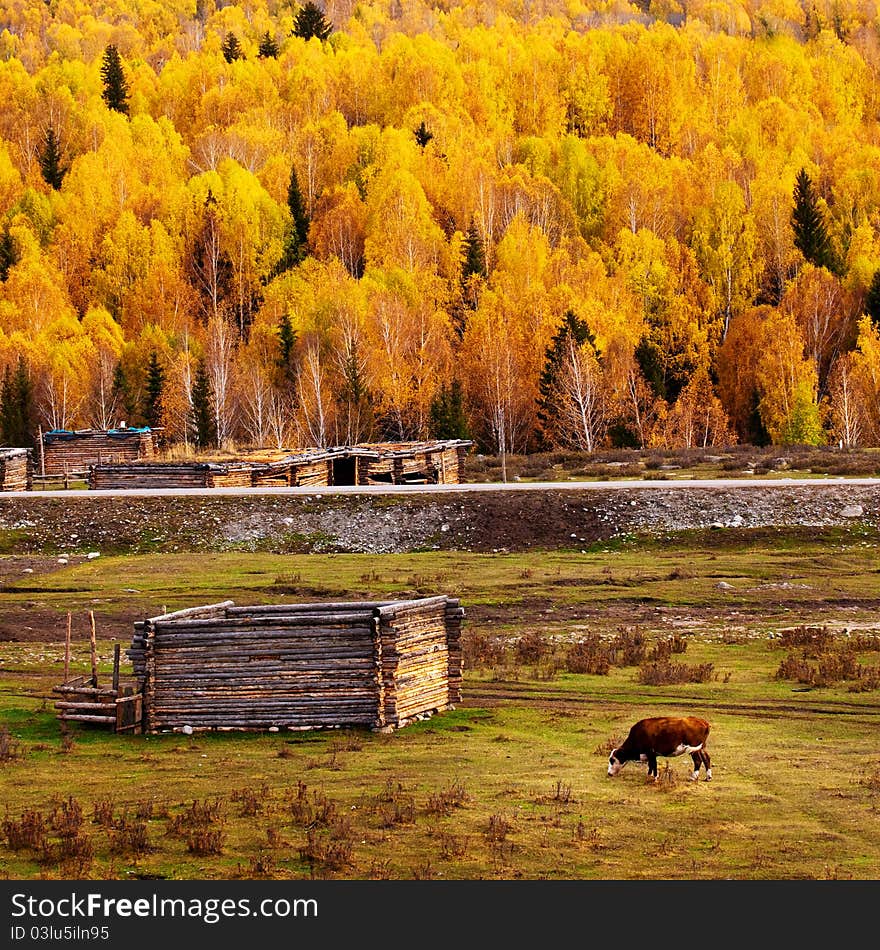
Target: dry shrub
(482, 650)
(251, 801)
(66, 818)
(330, 852)
(300, 806)
(199, 815)
(531, 647)
(498, 828)
(76, 851)
(67, 743)
(562, 792)
(8, 747)
(205, 841)
(144, 809)
(402, 811)
(453, 846)
(664, 649)
(102, 812)
(590, 655)
(129, 837)
(811, 640)
(666, 780)
(263, 865)
(312, 810)
(872, 781)
(424, 871)
(379, 870)
(29, 831)
(444, 802)
(274, 838)
(628, 648)
(830, 668)
(666, 674)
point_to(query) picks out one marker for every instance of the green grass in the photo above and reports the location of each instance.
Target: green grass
(510, 784)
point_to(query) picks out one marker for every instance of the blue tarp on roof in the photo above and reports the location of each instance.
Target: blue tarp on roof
(68, 434)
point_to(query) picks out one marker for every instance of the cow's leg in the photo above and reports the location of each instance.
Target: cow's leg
(708, 763)
(698, 758)
(652, 765)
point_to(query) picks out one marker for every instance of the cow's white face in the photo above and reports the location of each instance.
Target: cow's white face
(614, 764)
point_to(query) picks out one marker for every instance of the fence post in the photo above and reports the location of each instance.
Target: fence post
(94, 651)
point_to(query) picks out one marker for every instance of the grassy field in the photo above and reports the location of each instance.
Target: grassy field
(511, 784)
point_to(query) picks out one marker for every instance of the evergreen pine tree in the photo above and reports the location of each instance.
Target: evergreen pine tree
(231, 48)
(356, 404)
(286, 345)
(423, 134)
(8, 254)
(297, 236)
(447, 418)
(572, 328)
(153, 396)
(310, 22)
(8, 409)
(473, 269)
(872, 300)
(16, 407)
(807, 222)
(268, 48)
(115, 93)
(474, 254)
(122, 395)
(50, 160)
(202, 413)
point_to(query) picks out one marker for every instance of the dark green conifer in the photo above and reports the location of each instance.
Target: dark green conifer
(310, 22)
(448, 419)
(231, 48)
(202, 413)
(115, 92)
(808, 223)
(155, 386)
(51, 167)
(268, 48)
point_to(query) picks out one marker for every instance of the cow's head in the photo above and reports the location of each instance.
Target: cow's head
(614, 764)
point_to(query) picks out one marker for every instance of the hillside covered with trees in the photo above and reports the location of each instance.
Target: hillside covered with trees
(538, 224)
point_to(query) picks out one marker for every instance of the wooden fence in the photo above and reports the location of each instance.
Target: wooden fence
(83, 699)
(299, 666)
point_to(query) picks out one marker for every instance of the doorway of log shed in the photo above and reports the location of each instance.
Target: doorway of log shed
(345, 471)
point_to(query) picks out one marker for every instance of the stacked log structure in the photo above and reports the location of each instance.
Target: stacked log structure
(62, 452)
(440, 463)
(299, 666)
(16, 470)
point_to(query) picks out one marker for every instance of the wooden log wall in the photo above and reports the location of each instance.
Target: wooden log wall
(298, 666)
(149, 475)
(317, 474)
(16, 470)
(76, 452)
(232, 475)
(415, 658)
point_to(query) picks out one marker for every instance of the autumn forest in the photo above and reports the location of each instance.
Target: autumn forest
(534, 224)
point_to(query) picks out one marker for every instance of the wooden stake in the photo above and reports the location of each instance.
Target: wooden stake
(67, 650)
(94, 650)
(116, 668)
(42, 452)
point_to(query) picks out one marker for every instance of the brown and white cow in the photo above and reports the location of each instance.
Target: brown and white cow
(666, 736)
